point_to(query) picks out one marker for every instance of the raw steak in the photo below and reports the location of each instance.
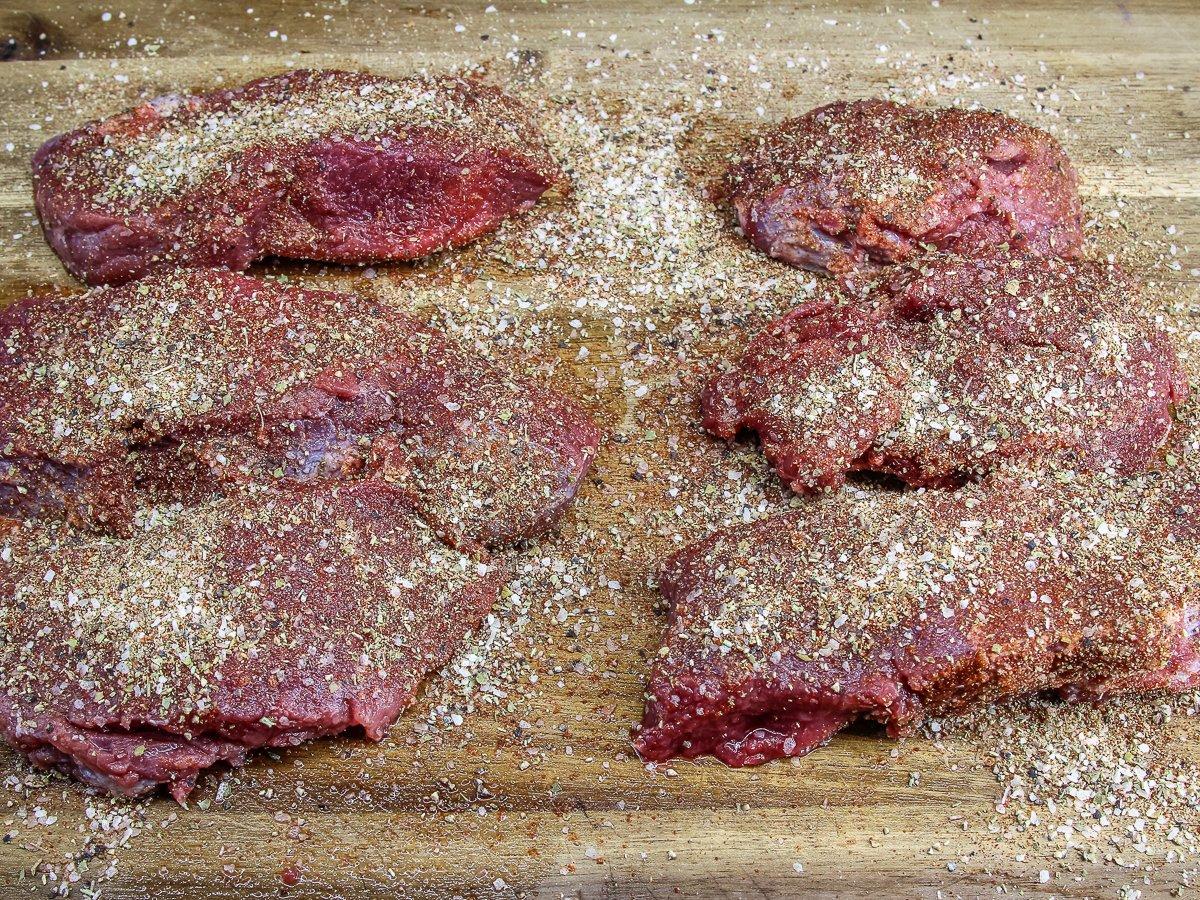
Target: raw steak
(261, 620)
(194, 380)
(891, 605)
(953, 366)
(338, 166)
(856, 184)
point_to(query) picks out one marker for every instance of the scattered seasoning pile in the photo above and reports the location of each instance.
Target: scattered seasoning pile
(78, 860)
(1084, 784)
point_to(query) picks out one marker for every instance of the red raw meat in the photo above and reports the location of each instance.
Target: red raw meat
(259, 620)
(194, 380)
(893, 605)
(952, 366)
(339, 166)
(870, 182)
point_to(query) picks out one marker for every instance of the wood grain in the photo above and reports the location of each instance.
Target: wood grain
(457, 814)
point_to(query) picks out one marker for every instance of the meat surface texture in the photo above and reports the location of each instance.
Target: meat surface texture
(864, 183)
(192, 382)
(337, 166)
(952, 366)
(242, 514)
(261, 620)
(892, 605)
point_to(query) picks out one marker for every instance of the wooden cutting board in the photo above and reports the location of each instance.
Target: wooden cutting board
(547, 798)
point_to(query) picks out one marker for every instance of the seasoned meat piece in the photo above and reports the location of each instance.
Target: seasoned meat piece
(952, 367)
(891, 605)
(338, 166)
(193, 380)
(857, 184)
(259, 620)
